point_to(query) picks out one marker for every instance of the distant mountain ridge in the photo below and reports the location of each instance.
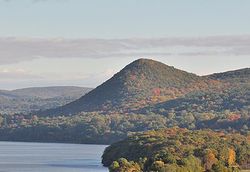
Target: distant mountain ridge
(240, 75)
(35, 98)
(51, 92)
(141, 83)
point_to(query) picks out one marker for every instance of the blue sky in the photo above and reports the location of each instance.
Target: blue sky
(123, 18)
(46, 42)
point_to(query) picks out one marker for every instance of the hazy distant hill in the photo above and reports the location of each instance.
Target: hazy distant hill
(141, 83)
(51, 92)
(241, 75)
(33, 99)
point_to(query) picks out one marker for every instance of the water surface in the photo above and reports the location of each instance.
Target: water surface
(50, 157)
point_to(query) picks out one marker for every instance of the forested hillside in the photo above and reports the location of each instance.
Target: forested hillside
(139, 84)
(229, 104)
(179, 150)
(241, 75)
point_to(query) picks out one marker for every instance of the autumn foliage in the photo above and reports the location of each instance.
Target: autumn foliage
(177, 149)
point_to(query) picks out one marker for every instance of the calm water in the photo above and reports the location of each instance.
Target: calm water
(50, 157)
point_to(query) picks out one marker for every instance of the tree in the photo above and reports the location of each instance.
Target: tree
(1, 120)
(123, 165)
(219, 167)
(209, 159)
(114, 166)
(231, 157)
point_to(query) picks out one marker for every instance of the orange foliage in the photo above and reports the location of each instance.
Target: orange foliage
(209, 160)
(231, 157)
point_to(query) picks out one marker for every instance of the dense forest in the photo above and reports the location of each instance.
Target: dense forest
(94, 127)
(179, 150)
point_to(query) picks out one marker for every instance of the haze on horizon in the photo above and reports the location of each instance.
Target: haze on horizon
(84, 42)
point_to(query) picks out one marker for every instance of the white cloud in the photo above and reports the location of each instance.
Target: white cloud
(28, 62)
(14, 50)
(16, 74)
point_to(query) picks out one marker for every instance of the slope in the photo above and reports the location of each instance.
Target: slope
(141, 83)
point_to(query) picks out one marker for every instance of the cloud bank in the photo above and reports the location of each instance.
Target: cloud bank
(13, 50)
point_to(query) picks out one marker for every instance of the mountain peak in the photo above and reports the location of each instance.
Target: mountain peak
(140, 83)
(143, 62)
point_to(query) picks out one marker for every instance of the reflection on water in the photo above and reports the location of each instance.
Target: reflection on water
(50, 157)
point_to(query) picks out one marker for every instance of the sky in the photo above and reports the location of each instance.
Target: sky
(84, 42)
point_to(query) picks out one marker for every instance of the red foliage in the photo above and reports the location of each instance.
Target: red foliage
(234, 117)
(156, 91)
(133, 77)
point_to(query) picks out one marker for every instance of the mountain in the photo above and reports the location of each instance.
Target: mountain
(241, 75)
(145, 95)
(141, 83)
(33, 99)
(229, 101)
(51, 92)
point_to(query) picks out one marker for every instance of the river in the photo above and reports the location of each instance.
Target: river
(50, 157)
